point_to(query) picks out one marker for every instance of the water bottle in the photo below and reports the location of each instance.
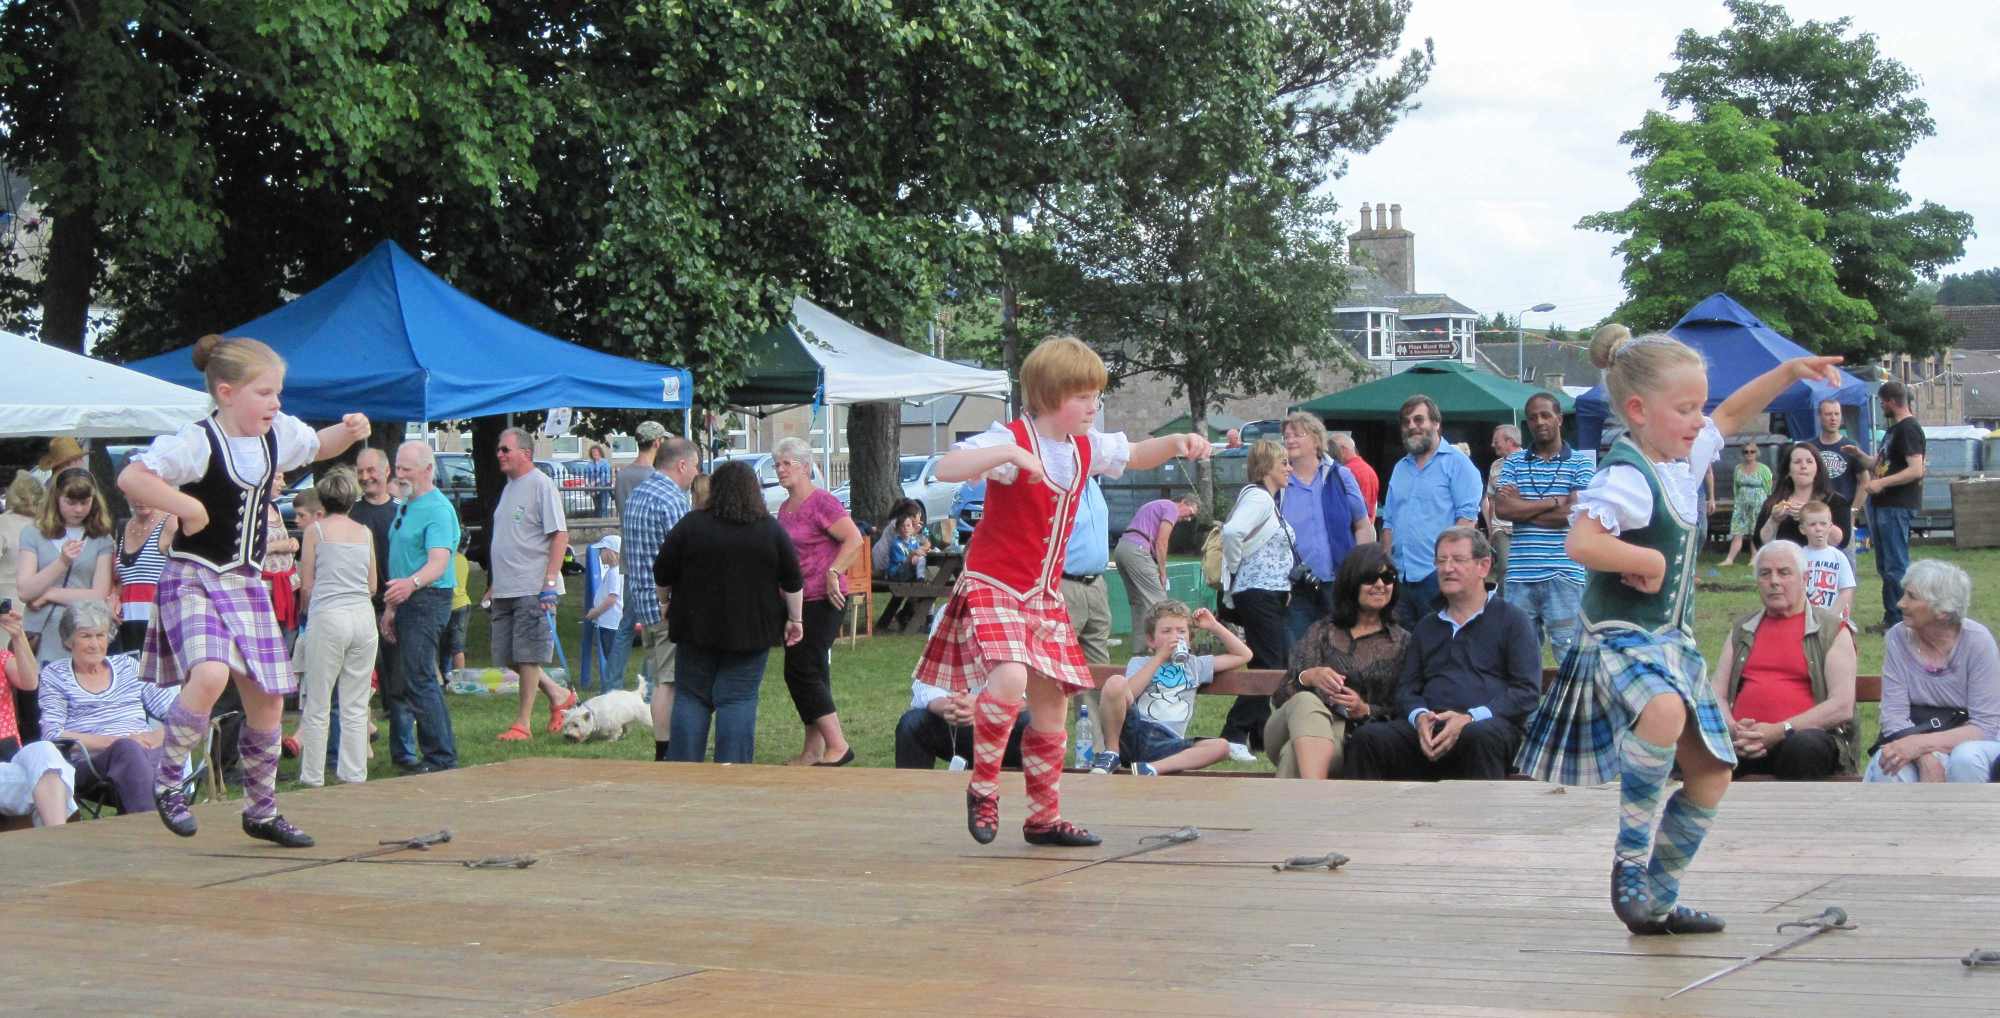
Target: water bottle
(1181, 652)
(1084, 734)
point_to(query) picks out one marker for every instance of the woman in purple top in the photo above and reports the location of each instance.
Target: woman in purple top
(827, 541)
(1940, 684)
(1141, 553)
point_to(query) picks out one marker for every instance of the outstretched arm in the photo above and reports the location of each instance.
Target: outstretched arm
(335, 439)
(1747, 402)
(1154, 451)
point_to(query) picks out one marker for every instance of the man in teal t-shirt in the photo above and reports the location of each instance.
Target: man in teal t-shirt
(417, 586)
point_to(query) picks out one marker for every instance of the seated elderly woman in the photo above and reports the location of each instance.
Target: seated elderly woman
(1343, 672)
(35, 780)
(102, 705)
(1940, 684)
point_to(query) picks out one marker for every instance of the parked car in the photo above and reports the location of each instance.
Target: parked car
(968, 507)
(918, 476)
(767, 475)
(1951, 453)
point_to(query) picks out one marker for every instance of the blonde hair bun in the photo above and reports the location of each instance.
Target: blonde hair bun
(1606, 342)
(204, 350)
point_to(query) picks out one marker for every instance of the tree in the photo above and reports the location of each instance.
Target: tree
(1201, 251)
(1715, 212)
(1981, 287)
(1844, 117)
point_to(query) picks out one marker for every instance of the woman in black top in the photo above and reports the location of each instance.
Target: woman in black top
(1343, 670)
(1804, 480)
(736, 593)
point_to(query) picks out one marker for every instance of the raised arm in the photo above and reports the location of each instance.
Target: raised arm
(1746, 403)
(335, 439)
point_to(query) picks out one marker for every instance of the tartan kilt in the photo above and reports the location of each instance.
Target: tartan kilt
(203, 615)
(984, 627)
(1605, 681)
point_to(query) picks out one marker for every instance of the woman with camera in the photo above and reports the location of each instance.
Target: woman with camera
(1259, 568)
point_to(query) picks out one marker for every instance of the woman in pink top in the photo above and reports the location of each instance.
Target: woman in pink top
(827, 541)
(1141, 554)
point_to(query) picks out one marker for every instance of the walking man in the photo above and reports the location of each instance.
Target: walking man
(1536, 487)
(530, 535)
(1894, 498)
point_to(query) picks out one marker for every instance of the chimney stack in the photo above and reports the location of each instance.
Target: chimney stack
(1367, 220)
(1396, 217)
(1381, 216)
(1386, 248)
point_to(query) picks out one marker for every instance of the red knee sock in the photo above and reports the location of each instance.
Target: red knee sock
(1041, 764)
(992, 723)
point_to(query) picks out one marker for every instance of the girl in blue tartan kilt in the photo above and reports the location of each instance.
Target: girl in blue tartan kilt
(1634, 697)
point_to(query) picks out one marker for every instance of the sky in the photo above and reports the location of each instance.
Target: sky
(1517, 136)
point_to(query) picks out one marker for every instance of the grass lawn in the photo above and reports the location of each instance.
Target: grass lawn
(871, 680)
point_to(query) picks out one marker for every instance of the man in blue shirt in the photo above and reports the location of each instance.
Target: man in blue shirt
(416, 586)
(1536, 488)
(651, 510)
(1085, 558)
(1433, 488)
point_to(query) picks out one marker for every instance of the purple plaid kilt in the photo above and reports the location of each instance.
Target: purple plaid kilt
(204, 615)
(1605, 681)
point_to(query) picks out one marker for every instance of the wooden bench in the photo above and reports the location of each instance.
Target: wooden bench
(1265, 681)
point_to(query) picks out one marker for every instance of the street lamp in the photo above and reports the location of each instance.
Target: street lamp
(1521, 340)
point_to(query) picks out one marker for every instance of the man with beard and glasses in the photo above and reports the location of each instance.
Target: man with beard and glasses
(1432, 489)
(417, 580)
(1537, 486)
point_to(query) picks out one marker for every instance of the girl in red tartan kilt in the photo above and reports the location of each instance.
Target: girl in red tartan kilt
(213, 623)
(1006, 627)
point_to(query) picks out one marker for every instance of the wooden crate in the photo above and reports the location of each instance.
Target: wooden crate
(1975, 510)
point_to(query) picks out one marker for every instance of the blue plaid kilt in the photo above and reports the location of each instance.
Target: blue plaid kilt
(1605, 681)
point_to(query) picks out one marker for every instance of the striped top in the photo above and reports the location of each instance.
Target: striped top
(1537, 552)
(122, 709)
(139, 575)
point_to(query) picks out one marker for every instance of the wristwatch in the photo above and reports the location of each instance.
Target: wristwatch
(1788, 729)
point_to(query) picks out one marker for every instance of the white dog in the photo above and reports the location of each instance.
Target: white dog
(606, 717)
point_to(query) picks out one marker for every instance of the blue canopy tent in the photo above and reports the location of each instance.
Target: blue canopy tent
(1739, 347)
(392, 340)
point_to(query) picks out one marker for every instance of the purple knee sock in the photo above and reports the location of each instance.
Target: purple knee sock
(184, 729)
(259, 754)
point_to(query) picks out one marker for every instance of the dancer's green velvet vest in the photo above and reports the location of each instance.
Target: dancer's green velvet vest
(1609, 601)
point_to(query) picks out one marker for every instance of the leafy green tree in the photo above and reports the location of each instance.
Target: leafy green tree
(1981, 287)
(1715, 212)
(1845, 117)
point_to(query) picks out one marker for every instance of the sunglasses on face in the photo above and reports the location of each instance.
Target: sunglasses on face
(1387, 576)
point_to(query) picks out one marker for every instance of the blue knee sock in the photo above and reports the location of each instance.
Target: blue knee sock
(1643, 768)
(1683, 825)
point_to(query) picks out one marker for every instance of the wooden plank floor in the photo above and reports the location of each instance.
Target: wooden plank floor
(754, 890)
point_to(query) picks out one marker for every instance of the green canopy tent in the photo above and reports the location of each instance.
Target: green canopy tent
(1218, 426)
(1469, 400)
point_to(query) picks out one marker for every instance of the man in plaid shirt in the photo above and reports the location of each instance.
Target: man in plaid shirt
(654, 507)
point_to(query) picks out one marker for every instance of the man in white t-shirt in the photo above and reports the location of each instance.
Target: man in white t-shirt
(1147, 710)
(1830, 579)
(530, 535)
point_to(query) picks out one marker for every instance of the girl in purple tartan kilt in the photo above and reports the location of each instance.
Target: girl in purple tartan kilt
(1634, 697)
(213, 623)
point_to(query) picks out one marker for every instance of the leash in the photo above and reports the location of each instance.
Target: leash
(420, 843)
(1149, 843)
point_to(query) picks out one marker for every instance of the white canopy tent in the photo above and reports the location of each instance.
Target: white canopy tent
(50, 391)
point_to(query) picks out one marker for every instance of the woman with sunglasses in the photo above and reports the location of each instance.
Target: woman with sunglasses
(65, 558)
(1342, 673)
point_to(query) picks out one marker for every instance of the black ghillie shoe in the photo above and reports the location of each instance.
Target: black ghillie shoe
(173, 808)
(1631, 893)
(1680, 922)
(982, 816)
(1061, 833)
(278, 831)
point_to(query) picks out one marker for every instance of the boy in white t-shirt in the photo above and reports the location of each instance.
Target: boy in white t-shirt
(600, 624)
(1147, 710)
(1829, 576)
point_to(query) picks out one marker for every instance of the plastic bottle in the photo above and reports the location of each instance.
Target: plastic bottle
(1084, 734)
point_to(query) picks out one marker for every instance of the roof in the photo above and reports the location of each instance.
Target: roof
(1412, 305)
(1542, 359)
(1367, 288)
(1981, 323)
(1462, 392)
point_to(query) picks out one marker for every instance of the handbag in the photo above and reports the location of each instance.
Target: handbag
(1925, 718)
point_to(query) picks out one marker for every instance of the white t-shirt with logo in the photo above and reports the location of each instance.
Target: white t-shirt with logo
(1827, 574)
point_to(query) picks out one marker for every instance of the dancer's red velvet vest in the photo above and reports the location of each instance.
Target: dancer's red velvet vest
(1025, 528)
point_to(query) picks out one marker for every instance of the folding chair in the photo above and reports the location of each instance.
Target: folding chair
(93, 790)
(861, 593)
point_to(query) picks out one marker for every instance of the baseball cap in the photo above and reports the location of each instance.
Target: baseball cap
(651, 431)
(613, 542)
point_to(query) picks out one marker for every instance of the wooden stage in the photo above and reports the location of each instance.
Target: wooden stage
(704, 890)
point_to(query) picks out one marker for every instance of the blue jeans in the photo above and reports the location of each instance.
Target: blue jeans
(1890, 530)
(420, 624)
(597, 641)
(719, 684)
(1553, 605)
(618, 653)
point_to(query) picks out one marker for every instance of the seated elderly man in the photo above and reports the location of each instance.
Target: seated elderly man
(1786, 673)
(102, 705)
(1472, 674)
(34, 779)
(938, 726)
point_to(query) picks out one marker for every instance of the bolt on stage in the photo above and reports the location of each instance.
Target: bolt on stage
(689, 889)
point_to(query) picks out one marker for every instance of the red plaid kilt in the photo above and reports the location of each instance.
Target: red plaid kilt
(985, 627)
